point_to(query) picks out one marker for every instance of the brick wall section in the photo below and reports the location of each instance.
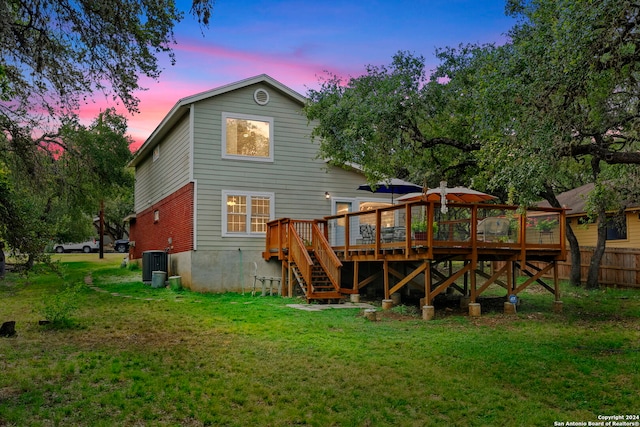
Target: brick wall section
(175, 221)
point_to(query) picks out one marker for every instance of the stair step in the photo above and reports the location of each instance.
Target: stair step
(321, 287)
(325, 295)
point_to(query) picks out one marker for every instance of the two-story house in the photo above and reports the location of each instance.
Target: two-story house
(219, 166)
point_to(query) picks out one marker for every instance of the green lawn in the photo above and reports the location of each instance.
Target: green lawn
(161, 357)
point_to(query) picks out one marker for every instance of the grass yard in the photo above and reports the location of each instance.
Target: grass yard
(161, 357)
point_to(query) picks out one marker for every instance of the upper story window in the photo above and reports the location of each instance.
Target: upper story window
(247, 137)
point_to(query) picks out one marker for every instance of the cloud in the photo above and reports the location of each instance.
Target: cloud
(294, 68)
(204, 66)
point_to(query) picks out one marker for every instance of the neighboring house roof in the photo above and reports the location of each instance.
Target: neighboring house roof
(182, 107)
(575, 200)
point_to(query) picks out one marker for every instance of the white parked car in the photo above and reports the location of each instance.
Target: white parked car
(86, 247)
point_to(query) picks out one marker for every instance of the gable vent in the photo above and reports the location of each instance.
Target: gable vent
(261, 96)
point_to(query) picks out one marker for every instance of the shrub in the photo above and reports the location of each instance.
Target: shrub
(59, 307)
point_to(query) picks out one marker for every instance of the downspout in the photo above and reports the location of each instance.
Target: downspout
(240, 272)
(192, 114)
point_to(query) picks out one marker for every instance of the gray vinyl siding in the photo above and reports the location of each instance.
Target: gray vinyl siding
(296, 177)
(170, 172)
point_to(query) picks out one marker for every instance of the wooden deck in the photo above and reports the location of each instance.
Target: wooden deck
(340, 255)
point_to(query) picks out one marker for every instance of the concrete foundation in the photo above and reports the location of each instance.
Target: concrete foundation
(387, 304)
(557, 306)
(428, 312)
(509, 308)
(354, 298)
(223, 271)
(474, 309)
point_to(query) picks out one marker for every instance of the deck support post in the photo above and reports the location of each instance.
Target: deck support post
(387, 304)
(466, 281)
(356, 275)
(283, 274)
(428, 312)
(510, 280)
(556, 282)
(385, 268)
(474, 309)
(473, 293)
(290, 280)
(557, 304)
(427, 283)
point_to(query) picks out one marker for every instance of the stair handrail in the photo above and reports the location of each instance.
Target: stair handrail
(276, 238)
(299, 255)
(326, 256)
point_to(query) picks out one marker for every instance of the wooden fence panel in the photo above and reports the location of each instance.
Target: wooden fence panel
(619, 267)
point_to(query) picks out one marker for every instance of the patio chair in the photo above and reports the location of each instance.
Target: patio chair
(386, 234)
(368, 233)
(492, 228)
(399, 233)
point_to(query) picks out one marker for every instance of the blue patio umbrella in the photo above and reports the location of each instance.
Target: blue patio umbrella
(391, 186)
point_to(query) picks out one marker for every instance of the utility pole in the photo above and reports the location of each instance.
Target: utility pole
(101, 228)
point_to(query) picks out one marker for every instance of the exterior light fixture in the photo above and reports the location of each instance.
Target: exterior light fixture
(327, 195)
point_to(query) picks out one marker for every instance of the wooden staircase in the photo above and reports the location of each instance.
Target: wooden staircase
(309, 259)
(321, 288)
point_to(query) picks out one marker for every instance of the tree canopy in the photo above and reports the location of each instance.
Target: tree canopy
(56, 56)
(390, 121)
(555, 107)
(60, 200)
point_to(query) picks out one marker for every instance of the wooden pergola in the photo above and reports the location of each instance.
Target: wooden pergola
(403, 244)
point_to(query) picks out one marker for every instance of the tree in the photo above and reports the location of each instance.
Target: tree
(574, 73)
(24, 207)
(55, 56)
(389, 122)
(555, 107)
(55, 53)
(117, 207)
(61, 199)
(518, 155)
(94, 158)
(94, 164)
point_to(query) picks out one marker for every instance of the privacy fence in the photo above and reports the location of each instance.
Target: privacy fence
(619, 267)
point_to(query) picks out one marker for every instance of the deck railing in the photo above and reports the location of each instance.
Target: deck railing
(427, 226)
(326, 256)
(299, 255)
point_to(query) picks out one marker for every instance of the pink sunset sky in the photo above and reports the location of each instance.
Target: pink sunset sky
(296, 41)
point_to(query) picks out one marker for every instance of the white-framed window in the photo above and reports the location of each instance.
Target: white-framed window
(156, 153)
(246, 213)
(247, 137)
